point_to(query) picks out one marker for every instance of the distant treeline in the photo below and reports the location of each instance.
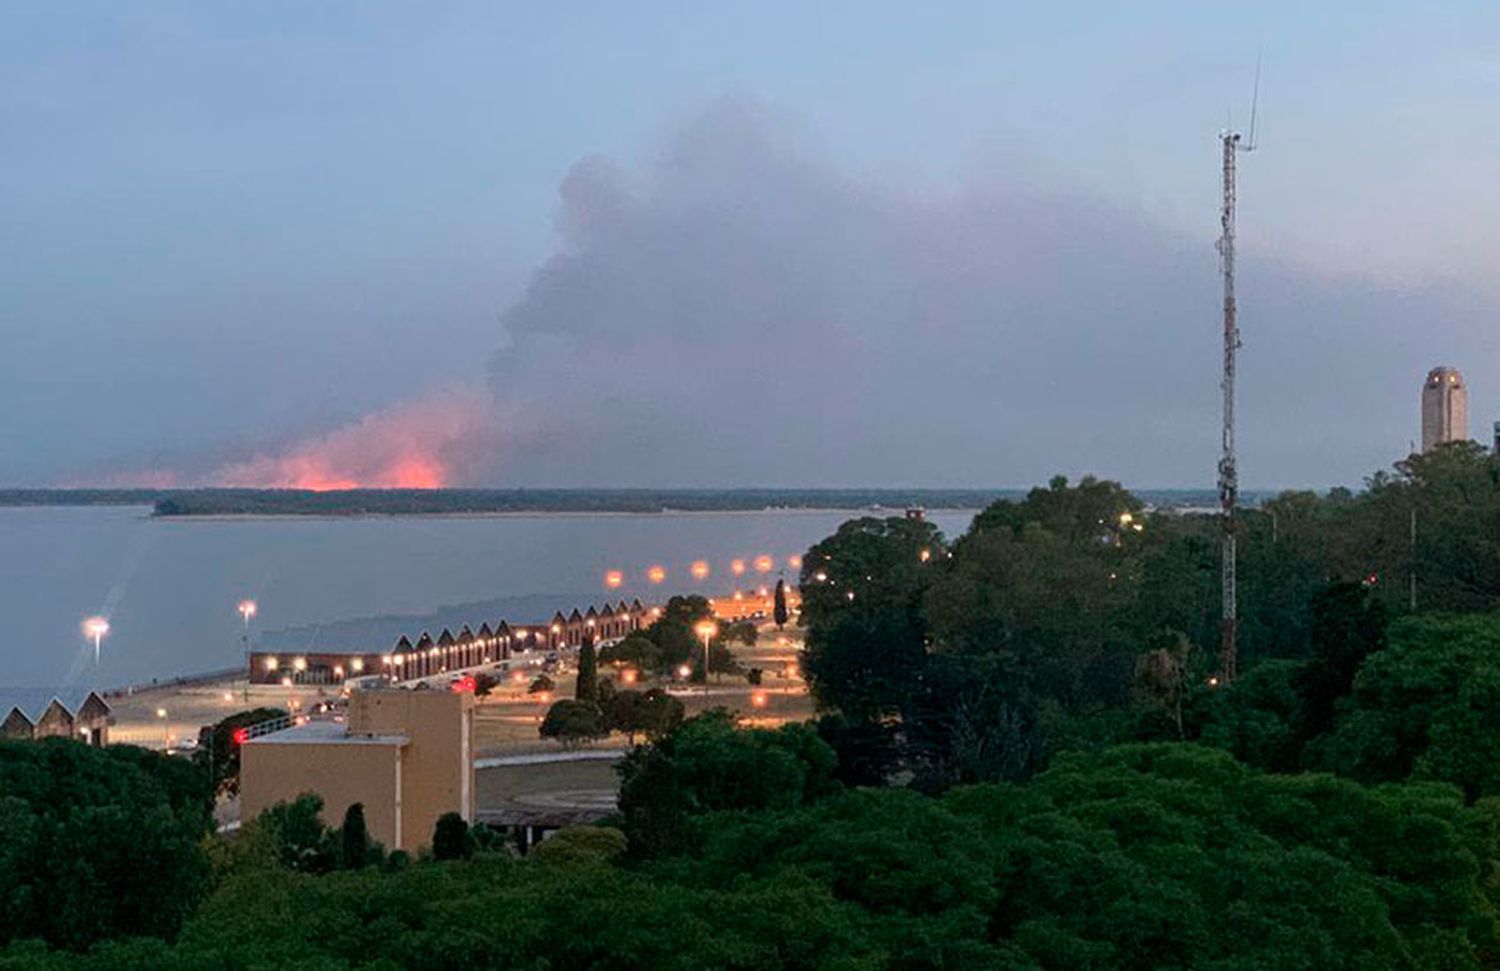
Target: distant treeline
(407, 502)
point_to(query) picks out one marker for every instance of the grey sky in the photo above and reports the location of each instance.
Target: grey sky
(861, 245)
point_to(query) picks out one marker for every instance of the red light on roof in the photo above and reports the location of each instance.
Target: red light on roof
(241, 736)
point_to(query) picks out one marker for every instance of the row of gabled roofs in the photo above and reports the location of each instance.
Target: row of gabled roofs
(609, 621)
(29, 706)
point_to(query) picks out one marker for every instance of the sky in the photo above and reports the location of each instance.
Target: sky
(713, 245)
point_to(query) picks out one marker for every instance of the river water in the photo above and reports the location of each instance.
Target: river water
(169, 587)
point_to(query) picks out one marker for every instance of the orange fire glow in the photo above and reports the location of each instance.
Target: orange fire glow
(412, 445)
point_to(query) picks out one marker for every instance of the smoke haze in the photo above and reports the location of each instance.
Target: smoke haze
(738, 311)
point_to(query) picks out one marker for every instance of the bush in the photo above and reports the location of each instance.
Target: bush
(451, 839)
(581, 844)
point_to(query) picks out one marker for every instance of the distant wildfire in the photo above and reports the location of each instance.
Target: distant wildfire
(422, 444)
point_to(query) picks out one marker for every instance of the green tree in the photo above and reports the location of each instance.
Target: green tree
(218, 753)
(540, 684)
(451, 839)
(653, 713)
(1348, 626)
(637, 651)
(1050, 606)
(354, 838)
(709, 764)
(862, 592)
(484, 683)
(80, 830)
(297, 830)
(1423, 707)
(573, 722)
(779, 612)
(588, 674)
(673, 632)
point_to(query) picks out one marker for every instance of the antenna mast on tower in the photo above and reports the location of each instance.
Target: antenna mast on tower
(1229, 483)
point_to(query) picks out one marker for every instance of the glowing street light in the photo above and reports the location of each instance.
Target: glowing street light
(737, 567)
(656, 574)
(705, 629)
(763, 564)
(700, 570)
(95, 628)
(613, 579)
(166, 728)
(247, 609)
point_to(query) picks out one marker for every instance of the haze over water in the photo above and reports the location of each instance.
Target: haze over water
(169, 588)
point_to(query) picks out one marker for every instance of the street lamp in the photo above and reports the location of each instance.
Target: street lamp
(706, 629)
(247, 609)
(161, 713)
(96, 628)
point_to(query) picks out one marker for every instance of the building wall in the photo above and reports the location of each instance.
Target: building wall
(15, 726)
(341, 773)
(437, 774)
(56, 722)
(1445, 408)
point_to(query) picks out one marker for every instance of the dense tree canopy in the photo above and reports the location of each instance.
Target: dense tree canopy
(964, 799)
(1141, 857)
(80, 830)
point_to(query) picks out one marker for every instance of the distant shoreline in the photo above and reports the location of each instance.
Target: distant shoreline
(215, 505)
(541, 513)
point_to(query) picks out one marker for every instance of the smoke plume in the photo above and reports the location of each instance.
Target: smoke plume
(739, 310)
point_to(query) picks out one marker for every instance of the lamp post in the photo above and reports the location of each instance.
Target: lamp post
(706, 629)
(161, 713)
(247, 609)
(96, 628)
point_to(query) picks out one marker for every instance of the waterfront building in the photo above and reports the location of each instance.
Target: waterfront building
(46, 713)
(1445, 408)
(407, 756)
(427, 658)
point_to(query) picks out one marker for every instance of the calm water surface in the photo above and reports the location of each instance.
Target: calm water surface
(169, 587)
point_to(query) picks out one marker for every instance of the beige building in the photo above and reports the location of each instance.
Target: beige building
(1445, 408)
(408, 756)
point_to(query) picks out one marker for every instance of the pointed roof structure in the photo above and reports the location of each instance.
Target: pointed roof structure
(32, 704)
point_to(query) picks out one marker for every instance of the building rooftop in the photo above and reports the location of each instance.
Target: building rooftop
(324, 733)
(34, 702)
